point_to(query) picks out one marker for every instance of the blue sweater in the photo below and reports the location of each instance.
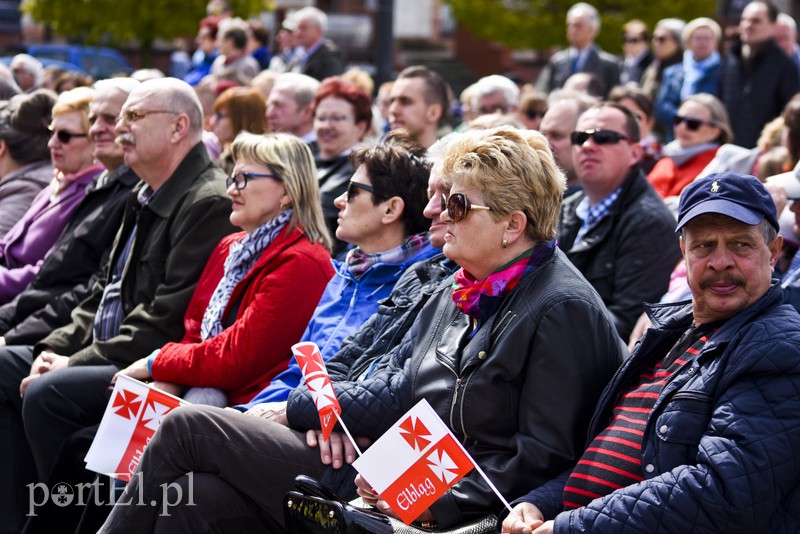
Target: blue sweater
(345, 305)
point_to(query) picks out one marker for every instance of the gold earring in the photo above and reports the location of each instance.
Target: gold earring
(504, 244)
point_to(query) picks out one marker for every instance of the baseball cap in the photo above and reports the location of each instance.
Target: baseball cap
(739, 196)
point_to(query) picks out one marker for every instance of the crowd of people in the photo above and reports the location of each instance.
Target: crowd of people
(593, 281)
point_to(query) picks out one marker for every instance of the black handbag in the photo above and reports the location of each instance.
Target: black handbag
(311, 508)
(314, 509)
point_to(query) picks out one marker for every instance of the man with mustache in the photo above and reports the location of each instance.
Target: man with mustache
(698, 430)
(170, 225)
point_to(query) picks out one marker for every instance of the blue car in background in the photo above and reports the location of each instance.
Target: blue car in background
(98, 62)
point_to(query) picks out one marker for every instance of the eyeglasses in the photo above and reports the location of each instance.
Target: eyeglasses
(336, 119)
(129, 116)
(240, 179)
(353, 187)
(601, 137)
(535, 114)
(220, 115)
(459, 206)
(64, 136)
(660, 38)
(692, 123)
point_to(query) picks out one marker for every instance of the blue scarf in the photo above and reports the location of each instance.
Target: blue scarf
(694, 71)
(242, 255)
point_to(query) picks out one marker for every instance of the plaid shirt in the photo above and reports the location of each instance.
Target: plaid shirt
(592, 216)
(109, 316)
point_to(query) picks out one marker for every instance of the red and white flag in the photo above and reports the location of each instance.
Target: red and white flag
(414, 462)
(319, 384)
(132, 416)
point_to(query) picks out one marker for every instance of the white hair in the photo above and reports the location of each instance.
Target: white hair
(787, 20)
(493, 84)
(303, 87)
(29, 63)
(315, 15)
(582, 9)
(123, 85)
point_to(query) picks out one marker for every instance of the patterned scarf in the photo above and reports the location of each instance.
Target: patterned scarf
(467, 290)
(359, 262)
(242, 256)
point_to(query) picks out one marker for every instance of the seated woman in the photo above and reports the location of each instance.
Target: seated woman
(23, 248)
(25, 166)
(342, 114)
(238, 109)
(701, 126)
(381, 214)
(250, 283)
(494, 352)
(247, 357)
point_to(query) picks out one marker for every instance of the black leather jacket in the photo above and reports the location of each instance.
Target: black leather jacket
(518, 394)
(629, 256)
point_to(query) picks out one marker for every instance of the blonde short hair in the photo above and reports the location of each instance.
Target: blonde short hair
(289, 157)
(77, 99)
(514, 170)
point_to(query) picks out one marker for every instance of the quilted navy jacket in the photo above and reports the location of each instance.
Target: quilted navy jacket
(721, 451)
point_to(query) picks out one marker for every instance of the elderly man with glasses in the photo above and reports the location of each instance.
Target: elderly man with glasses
(617, 231)
(171, 223)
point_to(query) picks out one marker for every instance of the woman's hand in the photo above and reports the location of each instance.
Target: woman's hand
(531, 517)
(271, 411)
(336, 448)
(642, 325)
(371, 498)
(137, 370)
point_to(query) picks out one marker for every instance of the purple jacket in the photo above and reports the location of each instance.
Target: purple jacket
(24, 247)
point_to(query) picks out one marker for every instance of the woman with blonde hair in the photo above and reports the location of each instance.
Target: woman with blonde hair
(72, 155)
(260, 286)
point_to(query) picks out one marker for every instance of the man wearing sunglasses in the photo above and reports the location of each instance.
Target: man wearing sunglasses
(617, 231)
(171, 223)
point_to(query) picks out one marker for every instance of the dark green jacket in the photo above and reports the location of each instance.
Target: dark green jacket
(175, 235)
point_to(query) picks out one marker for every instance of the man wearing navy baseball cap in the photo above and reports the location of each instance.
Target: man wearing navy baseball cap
(698, 430)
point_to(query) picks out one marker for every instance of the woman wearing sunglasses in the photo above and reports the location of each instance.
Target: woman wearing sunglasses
(71, 151)
(701, 126)
(260, 286)
(342, 114)
(25, 166)
(514, 353)
(238, 109)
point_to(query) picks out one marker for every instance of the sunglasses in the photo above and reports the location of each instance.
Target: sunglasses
(633, 39)
(691, 123)
(459, 206)
(64, 136)
(240, 179)
(353, 187)
(660, 39)
(533, 115)
(600, 137)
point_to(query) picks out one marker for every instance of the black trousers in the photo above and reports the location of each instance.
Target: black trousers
(233, 471)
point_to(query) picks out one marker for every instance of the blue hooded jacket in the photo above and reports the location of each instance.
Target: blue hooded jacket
(345, 305)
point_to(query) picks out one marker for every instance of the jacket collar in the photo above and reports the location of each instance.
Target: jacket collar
(385, 272)
(189, 170)
(679, 315)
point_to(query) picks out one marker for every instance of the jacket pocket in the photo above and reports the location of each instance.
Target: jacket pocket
(680, 426)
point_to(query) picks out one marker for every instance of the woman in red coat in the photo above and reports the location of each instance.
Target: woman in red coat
(260, 287)
(701, 126)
